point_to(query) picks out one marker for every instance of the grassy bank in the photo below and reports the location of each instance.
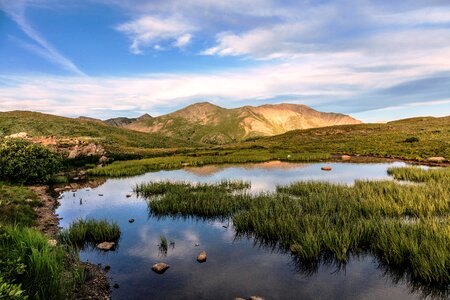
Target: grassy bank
(201, 158)
(411, 139)
(32, 267)
(405, 226)
(35, 267)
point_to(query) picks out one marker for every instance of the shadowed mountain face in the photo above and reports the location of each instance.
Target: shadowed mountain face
(208, 123)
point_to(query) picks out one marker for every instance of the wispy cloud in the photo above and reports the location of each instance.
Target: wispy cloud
(16, 11)
(150, 31)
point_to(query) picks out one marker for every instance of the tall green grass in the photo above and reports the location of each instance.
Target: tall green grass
(28, 260)
(405, 226)
(91, 231)
(183, 198)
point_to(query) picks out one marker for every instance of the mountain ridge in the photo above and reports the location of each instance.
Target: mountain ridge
(208, 123)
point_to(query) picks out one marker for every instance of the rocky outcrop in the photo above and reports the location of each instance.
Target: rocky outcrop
(20, 135)
(86, 150)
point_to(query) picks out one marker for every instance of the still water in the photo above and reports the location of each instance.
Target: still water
(235, 267)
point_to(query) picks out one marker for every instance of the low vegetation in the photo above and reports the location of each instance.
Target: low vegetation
(17, 205)
(405, 226)
(412, 139)
(90, 231)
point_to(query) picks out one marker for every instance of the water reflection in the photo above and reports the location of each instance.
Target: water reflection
(237, 265)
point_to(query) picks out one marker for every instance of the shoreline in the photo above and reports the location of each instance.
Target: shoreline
(97, 284)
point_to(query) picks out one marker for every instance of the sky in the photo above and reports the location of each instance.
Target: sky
(377, 60)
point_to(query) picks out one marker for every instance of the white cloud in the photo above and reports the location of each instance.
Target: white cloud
(16, 11)
(148, 31)
(183, 40)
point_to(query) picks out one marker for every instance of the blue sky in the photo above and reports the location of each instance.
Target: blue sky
(377, 60)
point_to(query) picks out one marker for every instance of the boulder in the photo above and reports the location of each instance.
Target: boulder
(160, 268)
(106, 246)
(256, 298)
(346, 157)
(103, 159)
(130, 220)
(326, 168)
(436, 159)
(201, 257)
(20, 135)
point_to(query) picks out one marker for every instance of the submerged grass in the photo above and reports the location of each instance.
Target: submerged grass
(407, 227)
(82, 231)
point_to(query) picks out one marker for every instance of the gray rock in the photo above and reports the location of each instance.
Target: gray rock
(436, 159)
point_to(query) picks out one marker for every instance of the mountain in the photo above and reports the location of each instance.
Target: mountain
(208, 123)
(122, 121)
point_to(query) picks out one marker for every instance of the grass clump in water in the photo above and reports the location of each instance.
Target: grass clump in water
(407, 227)
(207, 200)
(92, 231)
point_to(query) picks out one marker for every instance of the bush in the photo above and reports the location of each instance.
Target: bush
(411, 140)
(25, 162)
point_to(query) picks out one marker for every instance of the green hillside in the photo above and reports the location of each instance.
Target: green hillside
(415, 139)
(112, 138)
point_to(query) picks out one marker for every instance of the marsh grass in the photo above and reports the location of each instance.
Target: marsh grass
(201, 158)
(407, 227)
(163, 245)
(184, 199)
(27, 259)
(90, 231)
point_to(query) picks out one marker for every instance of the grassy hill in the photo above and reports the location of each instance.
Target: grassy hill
(211, 124)
(112, 138)
(415, 139)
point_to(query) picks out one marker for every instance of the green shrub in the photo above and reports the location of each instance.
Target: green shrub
(25, 162)
(11, 291)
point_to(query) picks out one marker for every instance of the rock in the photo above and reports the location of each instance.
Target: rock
(201, 257)
(326, 168)
(196, 244)
(107, 268)
(130, 220)
(160, 268)
(106, 246)
(346, 157)
(436, 159)
(20, 135)
(128, 196)
(52, 243)
(239, 298)
(256, 298)
(116, 286)
(100, 195)
(103, 159)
